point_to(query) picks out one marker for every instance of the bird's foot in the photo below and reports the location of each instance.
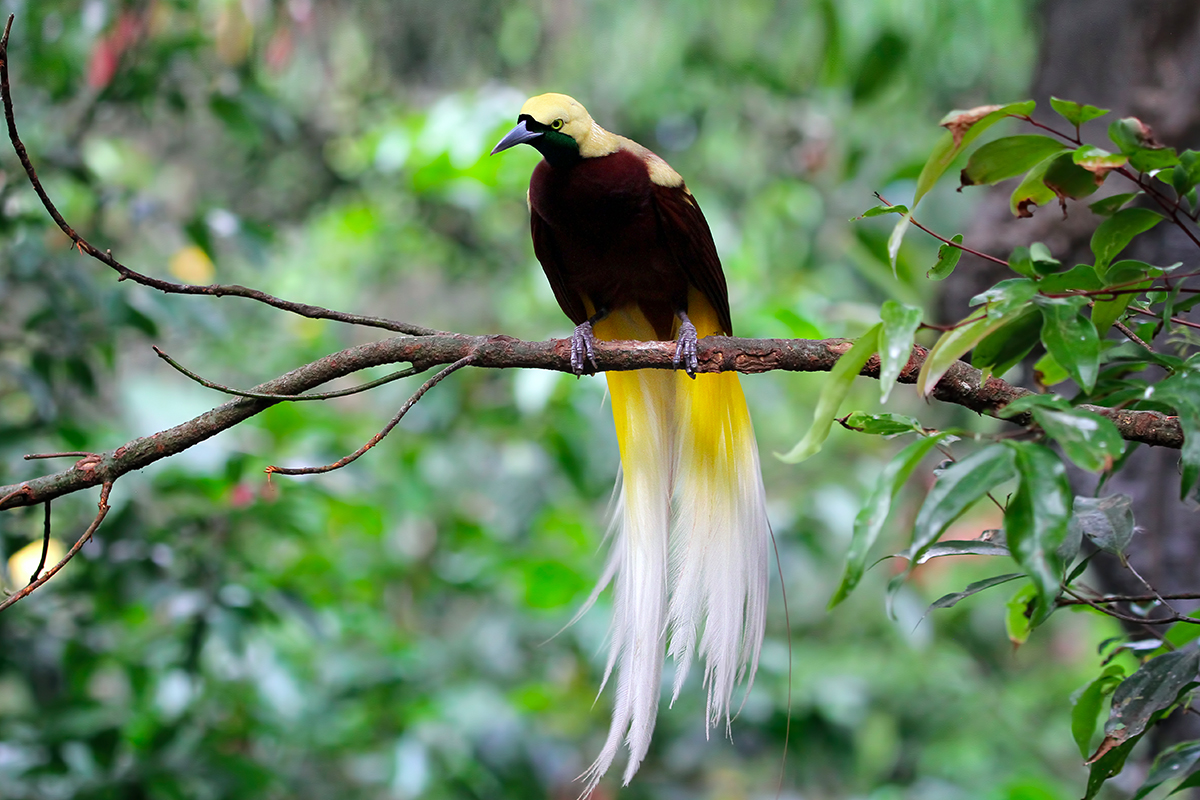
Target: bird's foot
(686, 348)
(582, 341)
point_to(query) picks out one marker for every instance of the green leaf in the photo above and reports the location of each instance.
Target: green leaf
(1071, 338)
(1175, 762)
(1035, 522)
(965, 547)
(1139, 702)
(1020, 262)
(1111, 205)
(870, 519)
(1182, 390)
(881, 424)
(956, 490)
(900, 323)
(1005, 302)
(1185, 176)
(1018, 619)
(1008, 157)
(1049, 372)
(1107, 521)
(947, 259)
(1031, 191)
(963, 128)
(1156, 686)
(879, 211)
(1122, 274)
(1069, 180)
(1086, 706)
(1004, 349)
(1091, 441)
(1075, 113)
(1136, 140)
(1116, 232)
(1097, 161)
(952, 599)
(1044, 262)
(836, 387)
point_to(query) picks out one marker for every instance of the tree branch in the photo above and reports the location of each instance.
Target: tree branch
(961, 386)
(168, 287)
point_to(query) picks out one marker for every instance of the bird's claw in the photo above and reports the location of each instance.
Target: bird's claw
(687, 349)
(582, 341)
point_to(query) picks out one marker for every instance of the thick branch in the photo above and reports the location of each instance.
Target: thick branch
(961, 386)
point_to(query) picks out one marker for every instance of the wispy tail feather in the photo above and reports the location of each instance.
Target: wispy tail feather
(690, 441)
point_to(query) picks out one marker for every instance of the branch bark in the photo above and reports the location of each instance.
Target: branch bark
(961, 385)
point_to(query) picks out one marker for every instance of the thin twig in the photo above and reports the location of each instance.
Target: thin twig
(1130, 335)
(944, 240)
(377, 438)
(68, 454)
(169, 287)
(45, 545)
(87, 534)
(404, 373)
(1176, 320)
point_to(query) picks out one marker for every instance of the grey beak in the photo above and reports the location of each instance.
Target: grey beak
(518, 135)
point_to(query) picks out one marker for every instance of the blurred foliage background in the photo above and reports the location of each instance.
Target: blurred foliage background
(388, 631)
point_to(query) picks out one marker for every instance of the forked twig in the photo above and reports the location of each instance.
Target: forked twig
(395, 376)
(50, 573)
(377, 438)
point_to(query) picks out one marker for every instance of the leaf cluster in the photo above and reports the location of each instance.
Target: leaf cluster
(1092, 332)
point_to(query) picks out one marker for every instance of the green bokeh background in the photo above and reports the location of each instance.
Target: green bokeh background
(389, 630)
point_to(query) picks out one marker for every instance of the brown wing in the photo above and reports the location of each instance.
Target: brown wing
(546, 250)
(691, 243)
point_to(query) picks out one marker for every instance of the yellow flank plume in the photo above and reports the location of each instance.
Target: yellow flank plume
(687, 446)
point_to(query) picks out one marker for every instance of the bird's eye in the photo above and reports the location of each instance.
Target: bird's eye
(558, 123)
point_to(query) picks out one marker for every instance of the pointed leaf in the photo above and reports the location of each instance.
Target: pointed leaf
(956, 490)
(1107, 521)
(1005, 302)
(880, 211)
(1075, 113)
(1182, 390)
(1085, 710)
(1069, 180)
(947, 259)
(1116, 232)
(952, 599)
(1111, 205)
(1156, 686)
(1091, 441)
(1004, 349)
(1018, 618)
(964, 547)
(1035, 521)
(900, 323)
(1071, 338)
(1173, 763)
(1032, 190)
(1008, 157)
(880, 424)
(870, 519)
(1098, 162)
(836, 387)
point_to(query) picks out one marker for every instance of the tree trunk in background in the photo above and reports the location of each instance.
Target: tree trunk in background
(1139, 59)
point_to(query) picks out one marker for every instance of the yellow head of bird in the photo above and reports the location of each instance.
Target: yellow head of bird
(555, 122)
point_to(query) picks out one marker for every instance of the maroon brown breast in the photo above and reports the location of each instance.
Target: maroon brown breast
(597, 233)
